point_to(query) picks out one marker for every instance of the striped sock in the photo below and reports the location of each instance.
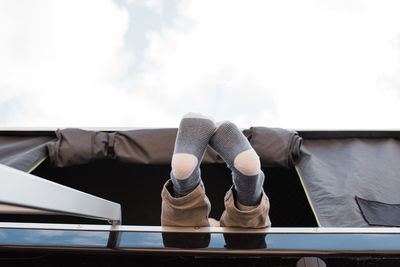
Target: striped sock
(234, 148)
(194, 133)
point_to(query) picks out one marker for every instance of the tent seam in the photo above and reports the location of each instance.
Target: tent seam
(308, 197)
(37, 164)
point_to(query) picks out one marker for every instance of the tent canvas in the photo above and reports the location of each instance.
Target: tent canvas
(333, 167)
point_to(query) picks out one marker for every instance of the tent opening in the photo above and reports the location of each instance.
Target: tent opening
(137, 188)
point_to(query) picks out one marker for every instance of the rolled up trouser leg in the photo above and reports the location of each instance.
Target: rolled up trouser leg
(190, 210)
(254, 218)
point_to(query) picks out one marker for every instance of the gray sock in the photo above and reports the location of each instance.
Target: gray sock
(234, 148)
(194, 133)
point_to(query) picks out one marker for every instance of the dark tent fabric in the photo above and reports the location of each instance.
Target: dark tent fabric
(23, 152)
(76, 146)
(335, 171)
(378, 213)
(276, 147)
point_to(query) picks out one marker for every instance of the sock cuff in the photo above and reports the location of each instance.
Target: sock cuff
(182, 187)
(248, 188)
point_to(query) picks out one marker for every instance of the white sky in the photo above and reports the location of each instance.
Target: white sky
(286, 63)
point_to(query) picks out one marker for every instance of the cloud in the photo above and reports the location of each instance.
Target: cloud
(37, 234)
(64, 60)
(89, 238)
(55, 45)
(291, 64)
(12, 110)
(308, 64)
(155, 5)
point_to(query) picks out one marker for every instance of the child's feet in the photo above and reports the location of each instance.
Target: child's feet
(233, 147)
(194, 133)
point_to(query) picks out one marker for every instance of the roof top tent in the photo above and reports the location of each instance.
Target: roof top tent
(325, 188)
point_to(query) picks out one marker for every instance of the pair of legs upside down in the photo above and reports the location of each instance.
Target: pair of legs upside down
(184, 202)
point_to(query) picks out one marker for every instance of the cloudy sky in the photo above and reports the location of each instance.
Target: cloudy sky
(331, 64)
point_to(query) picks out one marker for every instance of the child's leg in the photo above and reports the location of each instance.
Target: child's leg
(234, 148)
(194, 133)
(249, 208)
(184, 200)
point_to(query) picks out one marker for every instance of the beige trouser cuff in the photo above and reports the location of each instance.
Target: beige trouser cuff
(189, 210)
(194, 208)
(255, 218)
